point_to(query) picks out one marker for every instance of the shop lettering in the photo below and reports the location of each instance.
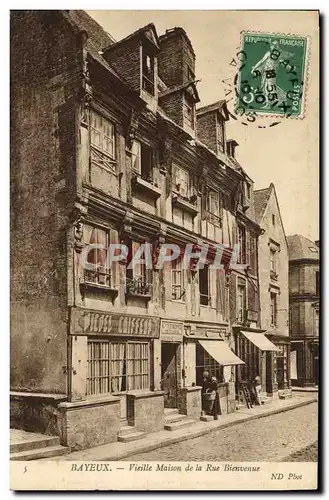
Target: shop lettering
(120, 324)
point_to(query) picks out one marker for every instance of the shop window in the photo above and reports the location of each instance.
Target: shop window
(249, 353)
(206, 363)
(204, 286)
(274, 309)
(97, 241)
(241, 303)
(142, 160)
(282, 366)
(136, 275)
(102, 135)
(214, 207)
(242, 245)
(117, 366)
(148, 70)
(177, 280)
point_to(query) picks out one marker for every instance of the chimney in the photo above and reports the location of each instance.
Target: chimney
(176, 59)
(176, 69)
(231, 144)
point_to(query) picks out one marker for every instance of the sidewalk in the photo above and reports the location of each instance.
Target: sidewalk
(117, 451)
(305, 389)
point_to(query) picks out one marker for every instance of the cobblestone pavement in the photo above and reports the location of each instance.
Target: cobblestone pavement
(272, 438)
(308, 454)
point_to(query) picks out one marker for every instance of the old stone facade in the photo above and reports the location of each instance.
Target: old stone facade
(273, 287)
(108, 148)
(304, 306)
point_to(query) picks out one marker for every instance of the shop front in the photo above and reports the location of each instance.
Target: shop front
(171, 336)
(259, 355)
(113, 366)
(207, 349)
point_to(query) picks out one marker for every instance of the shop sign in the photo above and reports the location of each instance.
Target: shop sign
(172, 331)
(89, 322)
(207, 333)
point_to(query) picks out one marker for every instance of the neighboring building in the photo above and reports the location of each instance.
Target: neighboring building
(273, 288)
(108, 148)
(304, 305)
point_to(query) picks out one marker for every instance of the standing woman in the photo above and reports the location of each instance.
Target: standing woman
(214, 389)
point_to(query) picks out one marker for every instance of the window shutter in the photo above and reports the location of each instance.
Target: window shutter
(248, 247)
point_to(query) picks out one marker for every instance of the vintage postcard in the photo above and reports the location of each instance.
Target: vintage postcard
(165, 250)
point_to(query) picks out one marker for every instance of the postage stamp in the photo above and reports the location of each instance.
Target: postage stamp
(272, 74)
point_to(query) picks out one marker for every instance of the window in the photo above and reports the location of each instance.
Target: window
(214, 207)
(206, 363)
(316, 322)
(204, 288)
(242, 245)
(117, 366)
(177, 280)
(147, 71)
(241, 303)
(142, 160)
(188, 112)
(273, 309)
(317, 283)
(181, 182)
(97, 271)
(272, 260)
(273, 219)
(137, 277)
(248, 189)
(102, 134)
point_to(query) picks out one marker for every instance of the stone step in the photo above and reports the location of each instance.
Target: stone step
(171, 411)
(206, 418)
(131, 436)
(126, 429)
(178, 425)
(34, 444)
(47, 452)
(176, 417)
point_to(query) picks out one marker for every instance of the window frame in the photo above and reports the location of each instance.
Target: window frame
(241, 236)
(112, 157)
(177, 176)
(148, 79)
(145, 174)
(274, 309)
(215, 218)
(174, 283)
(102, 270)
(208, 295)
(241, 312)
(106, 363)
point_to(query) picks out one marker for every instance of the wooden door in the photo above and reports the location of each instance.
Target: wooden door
(169, 352)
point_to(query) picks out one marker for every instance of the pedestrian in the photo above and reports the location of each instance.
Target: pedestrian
(215, 410)
(258, 389)
(205, 387)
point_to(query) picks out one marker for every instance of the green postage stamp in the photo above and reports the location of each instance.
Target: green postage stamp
(272, 74)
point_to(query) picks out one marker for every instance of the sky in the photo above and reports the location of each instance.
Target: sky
(286, 154)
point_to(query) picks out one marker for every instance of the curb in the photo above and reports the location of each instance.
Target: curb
(173, 440)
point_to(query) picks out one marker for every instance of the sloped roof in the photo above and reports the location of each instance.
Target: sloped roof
(96, 34)
(147, 31)
(261, 197)
(216, 106)
(300, 247)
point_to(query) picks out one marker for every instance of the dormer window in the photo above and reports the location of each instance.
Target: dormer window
(148, 71)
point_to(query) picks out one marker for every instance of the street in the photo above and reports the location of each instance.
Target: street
(290, 435)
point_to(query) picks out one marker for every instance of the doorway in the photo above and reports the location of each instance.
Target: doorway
(169, 360)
